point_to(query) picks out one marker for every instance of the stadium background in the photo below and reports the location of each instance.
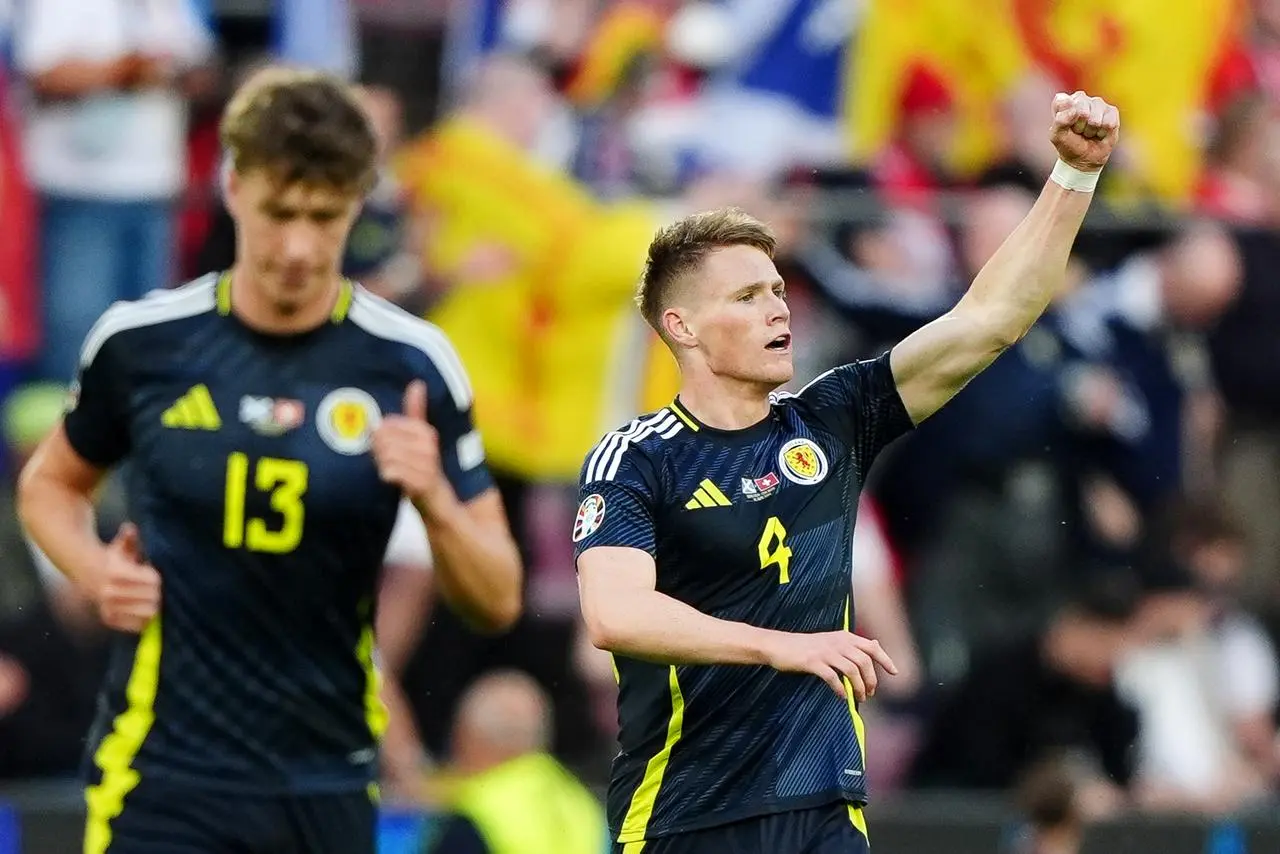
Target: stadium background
(1127, 452)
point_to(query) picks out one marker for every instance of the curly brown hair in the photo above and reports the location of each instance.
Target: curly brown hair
(301, 126)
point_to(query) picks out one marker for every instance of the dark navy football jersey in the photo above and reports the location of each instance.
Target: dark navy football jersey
(248, 472)
(753, 526)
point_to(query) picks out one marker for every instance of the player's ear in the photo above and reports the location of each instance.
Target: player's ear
(230, 182)
(678, 329)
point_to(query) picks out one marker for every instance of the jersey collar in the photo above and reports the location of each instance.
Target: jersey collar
(762, 426)
(341, 307)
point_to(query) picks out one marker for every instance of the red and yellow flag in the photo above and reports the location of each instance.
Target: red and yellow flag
(1152, 58)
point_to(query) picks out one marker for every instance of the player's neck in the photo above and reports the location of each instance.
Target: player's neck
(256, 312)
(724, 404)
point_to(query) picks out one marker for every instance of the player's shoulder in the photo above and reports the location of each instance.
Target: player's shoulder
(151, 315)
(639, 445)
(424, 345)
(840, 382)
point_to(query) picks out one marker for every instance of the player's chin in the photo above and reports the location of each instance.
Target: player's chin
(778, 369)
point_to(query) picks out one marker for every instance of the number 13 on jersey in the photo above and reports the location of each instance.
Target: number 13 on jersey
(286, 482)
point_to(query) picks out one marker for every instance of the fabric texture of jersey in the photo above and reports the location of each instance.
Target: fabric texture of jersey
(753, 526)
(249, 476)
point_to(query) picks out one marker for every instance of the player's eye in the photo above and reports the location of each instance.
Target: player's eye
(278, 214)
(780, 293)
(747, 297)
(323, 217)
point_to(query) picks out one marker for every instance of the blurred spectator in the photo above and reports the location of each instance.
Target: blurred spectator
(1205, 681)
(1025, 160)
(53, 650)
(1050, 806)
(914, 165)
(511, 796)
(1234, 184)
(1152, 394)
(105, 149)
(1051, 691)
(29, 413)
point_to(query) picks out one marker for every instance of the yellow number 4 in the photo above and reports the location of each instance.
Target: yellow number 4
(773, 549)
(286, 481)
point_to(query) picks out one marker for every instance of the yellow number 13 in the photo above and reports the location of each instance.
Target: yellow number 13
(773, 549)
(286, 481)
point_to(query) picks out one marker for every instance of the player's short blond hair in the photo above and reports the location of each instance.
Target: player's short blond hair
(678, 249)
(302, 126)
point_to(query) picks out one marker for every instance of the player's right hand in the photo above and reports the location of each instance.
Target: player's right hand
(127, 590)
(833, 657)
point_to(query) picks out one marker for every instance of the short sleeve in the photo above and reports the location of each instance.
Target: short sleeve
(97, 417)
(859, 402)
(616, 501)
(461, 446)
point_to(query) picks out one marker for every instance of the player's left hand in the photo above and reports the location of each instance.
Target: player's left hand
(406, 450)
(1085, 130)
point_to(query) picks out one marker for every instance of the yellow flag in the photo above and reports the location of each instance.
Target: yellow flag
(1152, 58)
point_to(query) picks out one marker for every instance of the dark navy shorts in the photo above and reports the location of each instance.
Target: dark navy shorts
(158, 818)
(834, 829)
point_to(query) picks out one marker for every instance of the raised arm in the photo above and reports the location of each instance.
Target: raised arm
(1020, 280)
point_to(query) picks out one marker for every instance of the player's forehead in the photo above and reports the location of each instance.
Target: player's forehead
(730, 269)
(273, 190)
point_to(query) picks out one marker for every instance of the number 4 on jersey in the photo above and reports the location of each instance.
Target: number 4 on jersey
(773, 549)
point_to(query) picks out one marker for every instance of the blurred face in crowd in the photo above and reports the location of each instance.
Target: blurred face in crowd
(1218, 564)
(990, 217)
(931, 137)
(1202, 276)
(291, 237)
(733, 312)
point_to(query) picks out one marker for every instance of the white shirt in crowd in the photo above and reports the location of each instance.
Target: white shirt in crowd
(1189, 692)
(111, 146)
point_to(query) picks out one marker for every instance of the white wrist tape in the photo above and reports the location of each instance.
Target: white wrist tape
(1072, 178)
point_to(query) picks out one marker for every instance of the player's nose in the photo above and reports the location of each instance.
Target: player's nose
(779, 310)
(301, 241)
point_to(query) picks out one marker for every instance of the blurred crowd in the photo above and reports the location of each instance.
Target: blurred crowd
(1077, 561)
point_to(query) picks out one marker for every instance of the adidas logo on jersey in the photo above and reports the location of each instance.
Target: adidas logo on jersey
(708, 495)
(193, 411)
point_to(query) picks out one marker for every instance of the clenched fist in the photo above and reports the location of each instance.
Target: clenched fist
(406, 450)
(833, 657)
(127, 590)
(1085, 130)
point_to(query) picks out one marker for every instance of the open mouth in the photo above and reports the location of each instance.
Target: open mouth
(781, 344)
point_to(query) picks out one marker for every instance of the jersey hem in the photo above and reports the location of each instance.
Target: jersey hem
(719, 819)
